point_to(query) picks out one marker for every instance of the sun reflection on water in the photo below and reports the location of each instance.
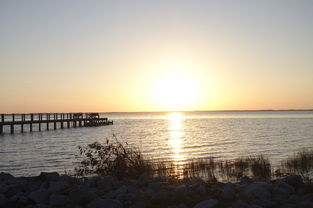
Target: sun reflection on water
(176, 133)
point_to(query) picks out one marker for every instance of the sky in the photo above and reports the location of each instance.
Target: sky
(165, 55)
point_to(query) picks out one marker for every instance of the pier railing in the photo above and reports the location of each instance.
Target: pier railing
(60, 120)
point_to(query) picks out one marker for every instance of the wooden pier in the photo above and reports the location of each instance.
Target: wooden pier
(58, 120)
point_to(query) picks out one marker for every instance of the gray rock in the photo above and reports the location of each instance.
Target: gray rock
(259, 193)
(280, 194)
(3, 200)
(180, 192)
(259, 190)
(13, 199)
(308, 187)
(255, 206)
(39, 196)
(156, 185)
(122, 190)
(264, 203)
(307, 197)
(201, 189)
(294, 180)
(81, 195)
(107, 203)
(229, 191)
(288, 188)
(5, 176)
(207, 204)
(162, 195)
(178, 206)
(306, 204)
(4, 188)
(246, 180)
(286, 205)
(14, 188)
(56, 186)
(53, 176)
(144, 179)
(181, 189)
(294, 199)
(239, 204)
(23, 200)
(139, 204)
(107, 183)
(41, 206)
(125, 197)
(69, 179)
(58, 200)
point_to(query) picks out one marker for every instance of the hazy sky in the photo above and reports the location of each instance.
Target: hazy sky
(61, 55)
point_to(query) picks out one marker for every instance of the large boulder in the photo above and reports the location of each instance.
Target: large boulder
(259, 190)
(143, 179)
(264, 203)
(162, 196)
(106, 183)
(53, 176)
(294, 199)
(178, 206)
(5, 176)
(246, 180)
(180, 192)
(3, 201)
(259, 193)
(307, 197)
(107, 203)
(306, 204)
(229, 191)
(239, 204)
(294, 180)
(81, 195)
(211, 203)
(39, 196)
(280, 194)
(57, 186)
(4, 188)
(281, 184)
(58, 200)
(282, 191)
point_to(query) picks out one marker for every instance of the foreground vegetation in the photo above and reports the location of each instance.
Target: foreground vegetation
(121, 178)
(126, 162)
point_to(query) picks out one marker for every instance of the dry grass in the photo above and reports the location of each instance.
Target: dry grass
(300, 163)
(123, 161)
(260, 167)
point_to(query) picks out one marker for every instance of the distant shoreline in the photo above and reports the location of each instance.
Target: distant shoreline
(210, 111)
(191, 111)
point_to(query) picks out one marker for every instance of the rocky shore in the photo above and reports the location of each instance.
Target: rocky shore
(62, 191)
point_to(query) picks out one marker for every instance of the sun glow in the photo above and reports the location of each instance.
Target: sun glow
(176, 134)
(176, 92)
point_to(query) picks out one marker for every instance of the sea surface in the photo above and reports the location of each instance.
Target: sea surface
(176, 136)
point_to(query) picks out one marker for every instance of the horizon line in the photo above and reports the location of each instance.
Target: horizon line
(187, 111)
(172, 111)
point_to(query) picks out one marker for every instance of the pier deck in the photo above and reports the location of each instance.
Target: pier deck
(63, 120)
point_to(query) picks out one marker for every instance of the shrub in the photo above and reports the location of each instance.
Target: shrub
(112, 158)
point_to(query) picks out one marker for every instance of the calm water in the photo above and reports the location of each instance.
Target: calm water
(166, 136)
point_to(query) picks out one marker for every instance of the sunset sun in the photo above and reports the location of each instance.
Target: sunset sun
(175, 92)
